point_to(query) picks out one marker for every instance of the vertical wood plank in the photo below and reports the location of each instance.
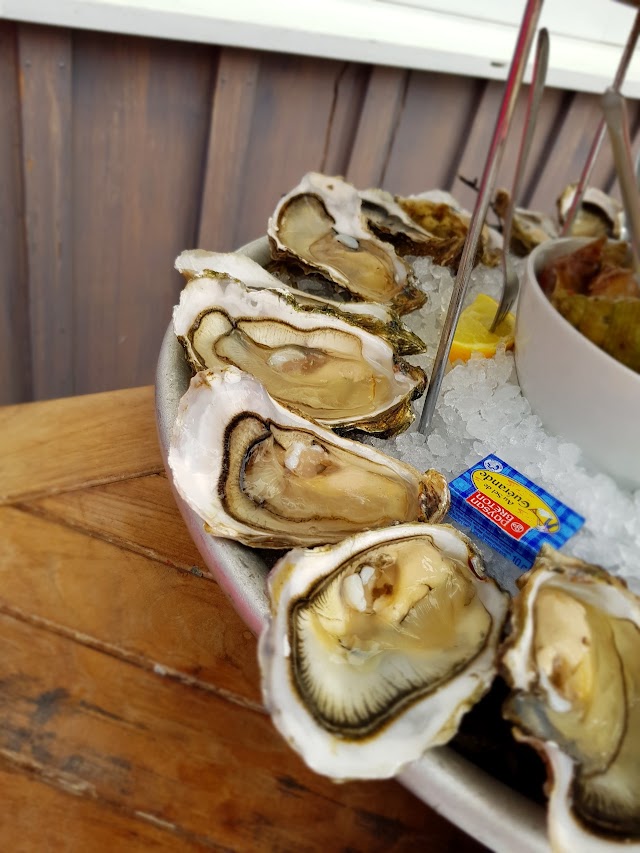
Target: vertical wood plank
(378, 125)
(610, 184)
(45, 75)
(548, 123)
(232, 108)
(294, 100)
(568, 151)
(437, 115)
(349, 95)
(15, 356)
(473, 156)
(141, 111)
(475, 152)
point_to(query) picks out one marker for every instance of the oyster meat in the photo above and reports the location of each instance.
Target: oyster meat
(439, 214)
(372, 316)
(327, 369)
(573, 662)
(321, 225)
(377, 646)
(263, 475)
(390, 221)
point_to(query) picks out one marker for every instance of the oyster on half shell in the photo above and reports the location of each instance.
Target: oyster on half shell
(320, 224)
(327, 369)
(263, 475)
(372, 316)
(377, 646)
(573, 661)
(599, 215)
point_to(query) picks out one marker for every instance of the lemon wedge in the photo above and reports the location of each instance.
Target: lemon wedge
(472, 332)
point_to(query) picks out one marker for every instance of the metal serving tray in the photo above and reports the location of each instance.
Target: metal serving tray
(491, 812)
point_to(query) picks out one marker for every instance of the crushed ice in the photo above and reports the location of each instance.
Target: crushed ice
(481, 410)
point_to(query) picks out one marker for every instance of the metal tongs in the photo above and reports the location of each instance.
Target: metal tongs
(511, 283)
(617, 122)
(592, 156)
(500, 133)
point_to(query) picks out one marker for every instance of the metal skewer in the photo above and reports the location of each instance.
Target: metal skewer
(615, 115)
(511, 284)
(511, 90)
(601, 130)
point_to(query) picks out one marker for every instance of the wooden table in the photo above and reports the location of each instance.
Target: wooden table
(130, 711)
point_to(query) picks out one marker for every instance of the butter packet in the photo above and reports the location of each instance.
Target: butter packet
(510, 512)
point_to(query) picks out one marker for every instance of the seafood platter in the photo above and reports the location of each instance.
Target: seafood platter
(454, 609)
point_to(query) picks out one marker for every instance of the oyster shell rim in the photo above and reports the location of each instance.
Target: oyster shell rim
(407, 732)
(566, 826)
(492, 812)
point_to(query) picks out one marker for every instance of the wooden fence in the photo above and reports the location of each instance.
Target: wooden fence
(117, 152)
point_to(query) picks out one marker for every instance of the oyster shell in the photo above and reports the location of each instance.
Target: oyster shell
(573, 661)
(372, 316)
(390, 221)
(321, 225)
(265, 476)
(529, 228)
(439, 214)
(327, 369)
(377, 646)
(600, 215)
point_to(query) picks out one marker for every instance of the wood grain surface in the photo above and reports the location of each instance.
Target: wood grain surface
(45, 55)
(15, 352)
(141, 114)
(130, 711)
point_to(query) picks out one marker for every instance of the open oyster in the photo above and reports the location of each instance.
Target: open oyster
(321, 225)
(573, 660)
(529, 228)
(390, 221)
(327, 369)
(439, 213)
(263, 475)
(377, 646)
(375, 318)
(600, 215)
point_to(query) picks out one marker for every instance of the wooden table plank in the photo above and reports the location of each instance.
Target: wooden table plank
(122, 602)
(215, 772)
(138, 514)
(68, 823)
(130, 682)
(66, 444)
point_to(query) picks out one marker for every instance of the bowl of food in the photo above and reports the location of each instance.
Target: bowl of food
(578, 347)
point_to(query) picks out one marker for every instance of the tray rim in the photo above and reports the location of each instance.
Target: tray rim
(485, 808)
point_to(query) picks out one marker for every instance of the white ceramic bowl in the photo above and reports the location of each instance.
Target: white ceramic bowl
(579, 392)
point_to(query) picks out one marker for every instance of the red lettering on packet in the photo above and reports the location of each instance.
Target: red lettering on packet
(498, 514)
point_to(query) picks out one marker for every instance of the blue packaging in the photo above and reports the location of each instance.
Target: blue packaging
(510, 512)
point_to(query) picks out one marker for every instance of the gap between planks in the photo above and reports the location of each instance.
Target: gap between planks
(129, 657)
(117, 541)
(70, 785)
(25, 497)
